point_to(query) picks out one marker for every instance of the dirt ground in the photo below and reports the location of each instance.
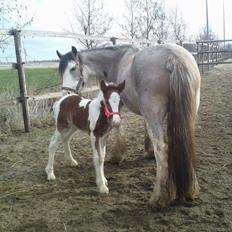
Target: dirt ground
(29, 203)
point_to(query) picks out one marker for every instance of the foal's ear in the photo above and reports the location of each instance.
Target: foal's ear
(121, 86)
(59, 54)
(103, 86)
(74, 51)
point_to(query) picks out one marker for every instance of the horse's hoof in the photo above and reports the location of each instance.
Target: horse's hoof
(74, 163)
(158, 203)
(104, 190)
(150, 155)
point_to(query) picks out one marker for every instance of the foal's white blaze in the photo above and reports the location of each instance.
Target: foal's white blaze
(83, 103)
(69, 80)
(114, 103)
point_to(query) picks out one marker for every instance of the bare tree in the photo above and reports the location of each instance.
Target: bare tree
(90, 19)
(12, 15)
(177, 24)
(161, 26)
(131, 25)
(203, 34)
(146, 19)
(147, 8)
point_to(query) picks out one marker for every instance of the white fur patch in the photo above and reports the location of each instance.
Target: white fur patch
(94, 112)
(68, 79)
(83, 103)
(56, 106)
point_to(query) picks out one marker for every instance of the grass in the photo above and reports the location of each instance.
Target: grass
(37, 81)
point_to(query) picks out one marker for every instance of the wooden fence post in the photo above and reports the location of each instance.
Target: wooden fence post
(113, 40)
(22, 82)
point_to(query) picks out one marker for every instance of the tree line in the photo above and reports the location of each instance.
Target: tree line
(146, 19)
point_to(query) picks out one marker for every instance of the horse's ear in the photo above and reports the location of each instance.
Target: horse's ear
(121, 86)
(103, 86)
(59, 54)
(74, 51)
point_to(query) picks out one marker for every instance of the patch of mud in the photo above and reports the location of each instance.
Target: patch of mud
(71, 203)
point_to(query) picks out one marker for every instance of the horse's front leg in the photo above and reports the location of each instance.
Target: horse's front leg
(148, 146)
(98, 160)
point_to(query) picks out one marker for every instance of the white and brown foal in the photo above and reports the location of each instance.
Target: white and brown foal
(96, 116)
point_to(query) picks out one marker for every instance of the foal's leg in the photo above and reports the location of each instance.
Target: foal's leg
(67, 150)
(102, 147)
(98, 159)
(54, 143)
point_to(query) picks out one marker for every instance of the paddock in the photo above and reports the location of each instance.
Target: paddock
(28, 202)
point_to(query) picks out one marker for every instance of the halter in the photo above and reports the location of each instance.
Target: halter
(81, 80)
(77, 87)
(109, 114)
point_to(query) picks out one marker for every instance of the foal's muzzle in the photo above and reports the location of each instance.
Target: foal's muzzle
(114, 116)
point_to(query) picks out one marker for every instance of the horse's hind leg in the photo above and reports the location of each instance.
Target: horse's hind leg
(160, 196)
(54, 143)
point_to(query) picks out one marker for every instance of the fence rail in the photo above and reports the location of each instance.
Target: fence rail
(205, 52)
(213, 52)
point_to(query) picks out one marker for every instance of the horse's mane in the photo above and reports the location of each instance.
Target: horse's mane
(63, 62)
(110, 47)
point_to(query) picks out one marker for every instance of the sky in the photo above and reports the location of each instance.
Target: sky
(55, 15)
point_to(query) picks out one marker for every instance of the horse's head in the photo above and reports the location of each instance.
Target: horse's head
(111, 95)
(70, 69)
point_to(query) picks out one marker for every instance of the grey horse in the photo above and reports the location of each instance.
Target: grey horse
(162, 82)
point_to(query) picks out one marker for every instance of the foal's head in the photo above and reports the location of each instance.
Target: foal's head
(111, 101)
(70, 69)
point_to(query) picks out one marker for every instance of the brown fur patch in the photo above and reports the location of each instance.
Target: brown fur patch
(71, 112)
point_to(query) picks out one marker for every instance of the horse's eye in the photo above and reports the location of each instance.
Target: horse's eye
(73, 69)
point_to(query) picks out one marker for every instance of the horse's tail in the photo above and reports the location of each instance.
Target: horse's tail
(180, 128)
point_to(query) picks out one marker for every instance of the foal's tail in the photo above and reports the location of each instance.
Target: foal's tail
(180, 127)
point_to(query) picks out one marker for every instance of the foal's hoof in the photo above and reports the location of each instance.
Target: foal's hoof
(103, 190)
(106, 181)
(74, 163)
(50, 174)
